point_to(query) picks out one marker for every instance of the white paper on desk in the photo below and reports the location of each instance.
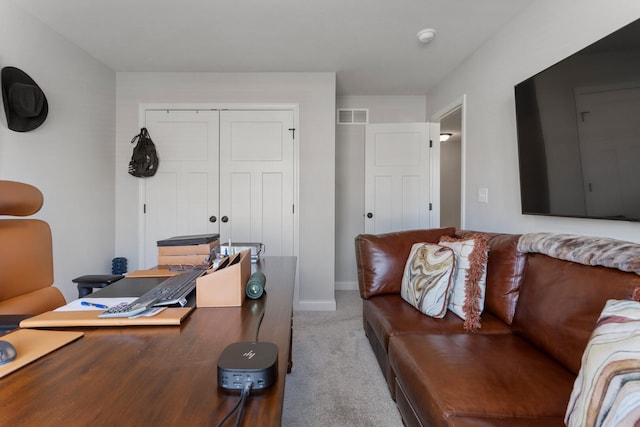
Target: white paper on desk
(76, 305)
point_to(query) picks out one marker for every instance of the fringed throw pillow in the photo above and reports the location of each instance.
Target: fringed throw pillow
(607, 389)
(427, 278)
(467, 294)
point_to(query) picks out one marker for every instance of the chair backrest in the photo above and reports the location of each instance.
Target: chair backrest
(26, 256)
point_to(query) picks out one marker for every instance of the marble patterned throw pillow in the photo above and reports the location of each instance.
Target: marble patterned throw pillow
(468, 292)
(427, 278)
(607, 389)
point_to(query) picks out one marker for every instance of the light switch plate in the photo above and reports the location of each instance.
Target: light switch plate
(483, 195)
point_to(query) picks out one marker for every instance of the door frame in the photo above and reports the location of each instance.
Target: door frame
(295, 108)
(460, 103)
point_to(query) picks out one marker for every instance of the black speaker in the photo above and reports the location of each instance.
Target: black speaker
(255, 285)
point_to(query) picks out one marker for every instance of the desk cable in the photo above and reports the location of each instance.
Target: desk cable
(246, 390)
(242, 403)
(263, 302)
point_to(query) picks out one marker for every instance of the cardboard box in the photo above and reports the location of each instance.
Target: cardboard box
(155, 272)
(202, 249)
(224, 286)
(182, 260)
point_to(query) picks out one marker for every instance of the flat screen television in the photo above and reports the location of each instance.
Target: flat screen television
(578, 129)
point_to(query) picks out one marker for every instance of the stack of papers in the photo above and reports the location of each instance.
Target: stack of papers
(94, 304)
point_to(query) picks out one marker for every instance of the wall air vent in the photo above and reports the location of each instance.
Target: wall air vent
(353, 116)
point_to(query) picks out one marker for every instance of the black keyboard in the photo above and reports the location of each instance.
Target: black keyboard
(173, 290)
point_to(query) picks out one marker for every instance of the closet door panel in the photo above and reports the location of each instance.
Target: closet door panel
(184, 193)
(257, 146)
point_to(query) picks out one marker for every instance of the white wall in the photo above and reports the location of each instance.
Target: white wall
(545, 33)
(315, 95)
(350, 141)
(70, 156)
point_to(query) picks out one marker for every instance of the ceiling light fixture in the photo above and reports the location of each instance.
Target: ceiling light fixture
(445, 137)
(426, 35)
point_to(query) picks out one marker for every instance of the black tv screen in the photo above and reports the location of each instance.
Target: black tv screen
(578, 128)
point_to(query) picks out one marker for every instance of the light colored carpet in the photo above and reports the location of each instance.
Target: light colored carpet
(336, 380)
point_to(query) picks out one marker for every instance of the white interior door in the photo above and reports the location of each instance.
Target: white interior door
(182, 198)
(397, 177)
(257, 178)
(609, 150)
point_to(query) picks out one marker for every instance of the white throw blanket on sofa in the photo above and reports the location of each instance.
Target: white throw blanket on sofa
(612, 253)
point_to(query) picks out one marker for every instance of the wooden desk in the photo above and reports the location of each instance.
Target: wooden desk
(156, 376)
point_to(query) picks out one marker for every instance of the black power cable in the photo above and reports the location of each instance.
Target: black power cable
(242, 401)
(264, 298)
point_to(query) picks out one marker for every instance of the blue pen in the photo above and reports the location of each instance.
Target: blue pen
(91, 304)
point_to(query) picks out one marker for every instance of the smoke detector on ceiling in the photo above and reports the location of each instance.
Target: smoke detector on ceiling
(426, 35)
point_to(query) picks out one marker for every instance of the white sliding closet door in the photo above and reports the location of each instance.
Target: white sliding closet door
(182, 198)
(257, 178)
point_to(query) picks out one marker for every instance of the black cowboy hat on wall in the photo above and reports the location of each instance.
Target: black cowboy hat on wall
(24, 102)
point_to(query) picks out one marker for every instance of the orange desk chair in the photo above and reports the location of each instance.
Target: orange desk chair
(26, 258)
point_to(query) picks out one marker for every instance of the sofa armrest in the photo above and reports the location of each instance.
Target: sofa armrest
(381, 258)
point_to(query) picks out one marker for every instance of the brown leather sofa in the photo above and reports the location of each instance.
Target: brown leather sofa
(518, 369)
(26, 261)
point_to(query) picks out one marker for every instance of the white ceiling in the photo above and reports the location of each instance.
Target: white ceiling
(370, 44)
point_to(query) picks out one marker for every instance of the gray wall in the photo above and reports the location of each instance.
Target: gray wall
(546, 32)
(315, 95)
(350, 172)
(70, 156)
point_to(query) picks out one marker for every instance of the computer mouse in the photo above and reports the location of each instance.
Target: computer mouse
(7, 352)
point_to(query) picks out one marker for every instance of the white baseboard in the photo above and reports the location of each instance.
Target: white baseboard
(325, 305)
(346, 286)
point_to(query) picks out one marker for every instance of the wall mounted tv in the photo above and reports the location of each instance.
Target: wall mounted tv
(578, 126)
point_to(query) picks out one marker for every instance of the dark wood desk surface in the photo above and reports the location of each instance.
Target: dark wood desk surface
(156, 376)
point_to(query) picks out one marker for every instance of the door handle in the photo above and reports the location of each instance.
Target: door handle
(369, 215)
(224, 219)
(213, 218)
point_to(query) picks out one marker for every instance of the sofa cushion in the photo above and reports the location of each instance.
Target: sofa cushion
(389, 315)
(410, 419)
(467, 294)
(477, 375)
(505, 422)
(560, 302)
(381, 258)
(428, 277)
(607, 389)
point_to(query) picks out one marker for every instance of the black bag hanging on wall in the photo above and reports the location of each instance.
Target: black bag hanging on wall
(144, 161)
